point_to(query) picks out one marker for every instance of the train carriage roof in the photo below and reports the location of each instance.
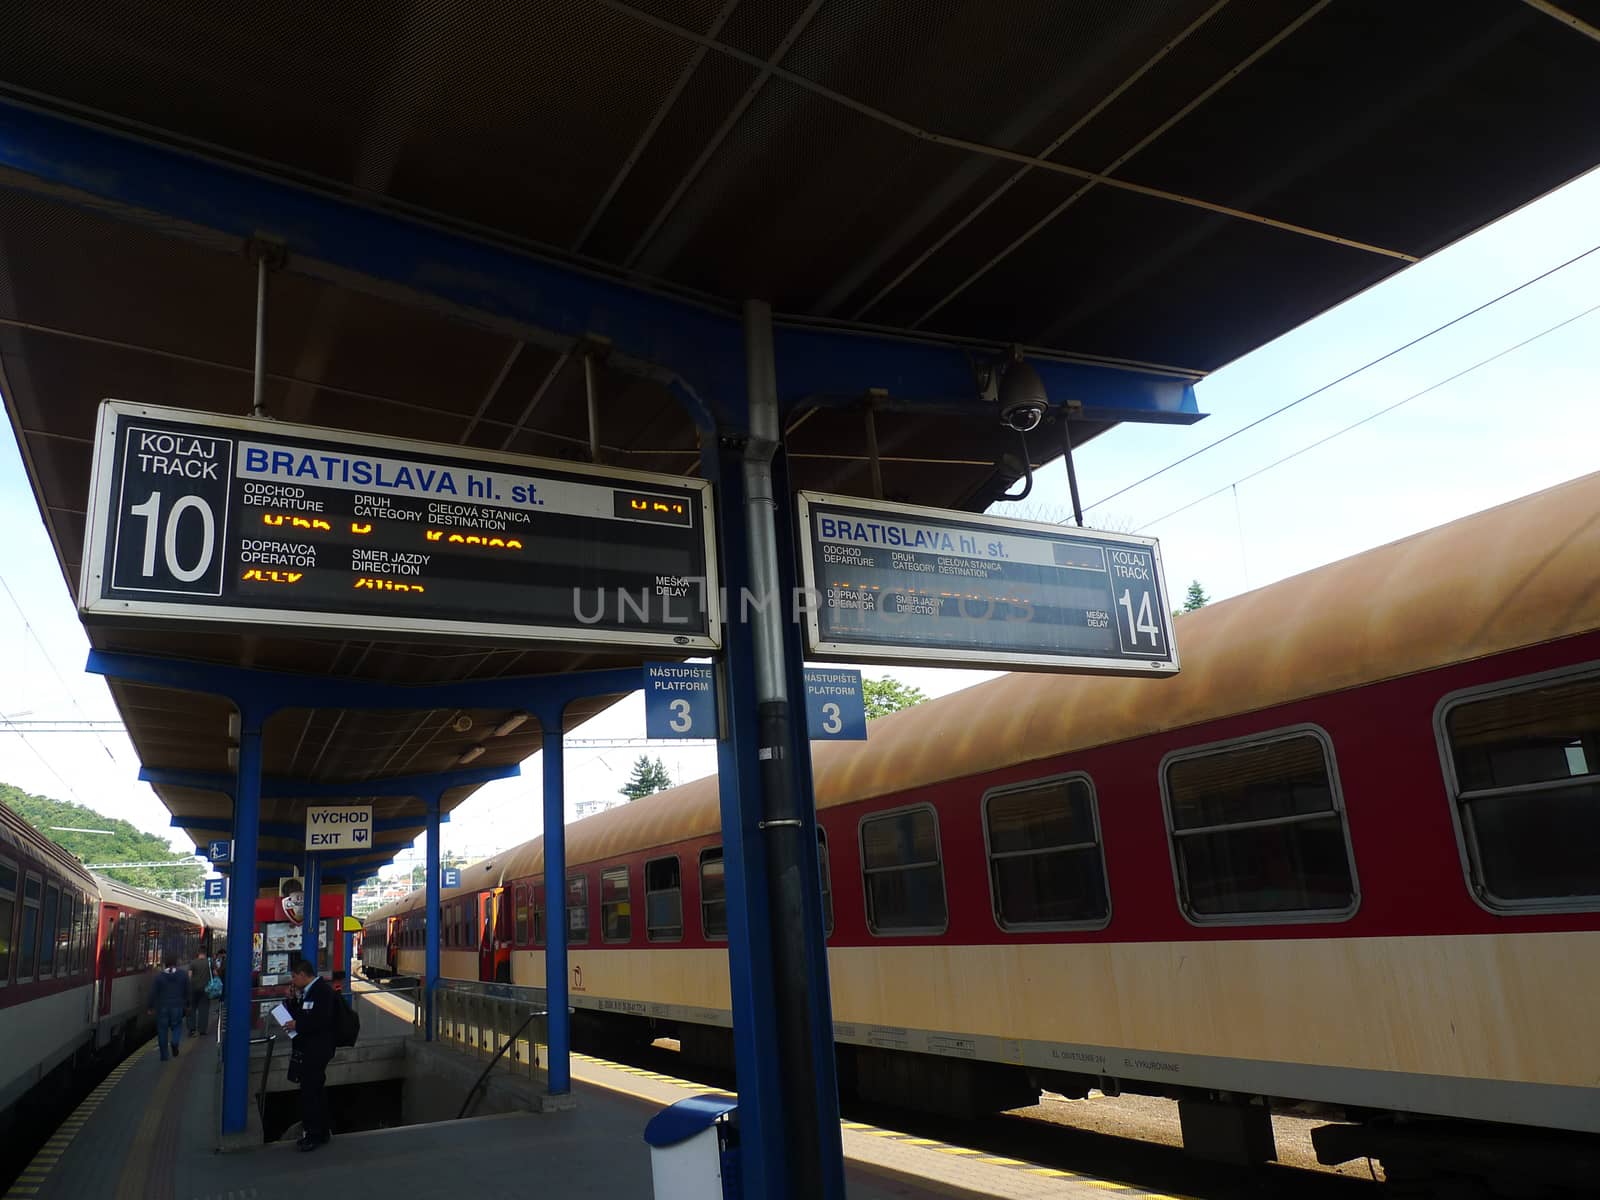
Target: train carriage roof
(112, 892)
(1511, 576)
(19, 834)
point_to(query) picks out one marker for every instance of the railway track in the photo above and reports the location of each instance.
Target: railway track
(1128, 1140)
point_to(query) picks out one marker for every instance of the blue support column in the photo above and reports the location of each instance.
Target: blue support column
(311, 919)
(559, 1068)
(430, 969)
(750, 972)
(241, 928)
(349, 938)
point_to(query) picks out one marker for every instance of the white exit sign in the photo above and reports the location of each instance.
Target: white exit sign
(339, 828)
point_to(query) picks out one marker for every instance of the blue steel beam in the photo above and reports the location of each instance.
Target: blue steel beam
(279, 787)
(750, 977)
(270, 691)
(430, 954)
(286, 829)
(558, 1033)
(688, 345)
(237, 1001)
(364, 858)
(311, 921)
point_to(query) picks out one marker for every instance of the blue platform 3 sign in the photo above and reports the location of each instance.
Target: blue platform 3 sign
(680, 701)
(450, 877)
(836, 709)
(217, 889)
(219, 851)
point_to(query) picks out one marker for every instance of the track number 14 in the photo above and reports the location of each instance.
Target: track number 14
(1145, 622)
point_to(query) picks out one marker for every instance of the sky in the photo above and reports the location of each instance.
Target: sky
(1524, 422)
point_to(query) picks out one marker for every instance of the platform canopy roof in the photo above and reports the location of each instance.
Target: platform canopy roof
(471, 199)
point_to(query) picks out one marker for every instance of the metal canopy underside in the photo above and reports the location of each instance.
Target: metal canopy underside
(1155, 185)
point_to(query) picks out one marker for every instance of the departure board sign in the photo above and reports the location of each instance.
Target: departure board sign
(893, 583)
(196, 517)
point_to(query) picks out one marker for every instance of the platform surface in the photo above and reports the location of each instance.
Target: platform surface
(147, 1135)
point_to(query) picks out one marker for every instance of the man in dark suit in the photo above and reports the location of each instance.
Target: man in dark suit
(313, 1028)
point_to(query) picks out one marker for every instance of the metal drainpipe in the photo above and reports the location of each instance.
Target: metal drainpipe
(780, 804)
(594, 408)
(258, 399)
(1066, 456)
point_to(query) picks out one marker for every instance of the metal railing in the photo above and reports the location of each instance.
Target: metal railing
(266, 1072)
(494, 1022)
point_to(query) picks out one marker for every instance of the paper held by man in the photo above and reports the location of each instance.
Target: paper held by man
(282, 1016)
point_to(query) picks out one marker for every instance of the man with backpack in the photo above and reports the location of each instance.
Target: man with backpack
(199, 997)
(315, 1026)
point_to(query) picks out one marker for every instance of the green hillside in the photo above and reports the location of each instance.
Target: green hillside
(124, 843)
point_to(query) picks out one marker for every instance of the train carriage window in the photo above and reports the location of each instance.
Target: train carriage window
(577, 910)
(80, 921)
(1524, 770)
(903, 872)
(713, 894)
(28, 934)
(825, 881)
(520, 938)
(69, 904)
(8, 917)
(47, 929)
(1258, 830)
(663, 900)
(616, 911)
(536, 905)
(1046, 867)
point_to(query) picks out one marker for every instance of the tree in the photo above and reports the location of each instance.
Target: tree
(1195, 597)
(889, 695)
(121, 842)
(647, 777)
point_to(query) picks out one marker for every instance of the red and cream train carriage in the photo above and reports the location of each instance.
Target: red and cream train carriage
(76, 954)
(1351, 855)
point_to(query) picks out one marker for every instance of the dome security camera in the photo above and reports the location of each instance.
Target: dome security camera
(1023, 401)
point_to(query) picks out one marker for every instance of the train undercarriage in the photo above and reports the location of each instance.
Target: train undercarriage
(1422, 1158)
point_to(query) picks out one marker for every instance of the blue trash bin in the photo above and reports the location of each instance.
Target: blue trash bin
(694, 1149)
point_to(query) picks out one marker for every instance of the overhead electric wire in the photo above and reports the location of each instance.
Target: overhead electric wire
(1348, 375)
(1322, 441)
(50, 662)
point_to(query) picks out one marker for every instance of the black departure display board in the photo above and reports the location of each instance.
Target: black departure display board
(196, 517)
(893, 583)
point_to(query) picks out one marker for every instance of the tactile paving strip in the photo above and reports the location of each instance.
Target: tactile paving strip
(38, 1170)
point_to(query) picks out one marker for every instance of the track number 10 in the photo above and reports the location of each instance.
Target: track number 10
(150, 510)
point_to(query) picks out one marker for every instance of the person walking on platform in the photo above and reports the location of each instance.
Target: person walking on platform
(199, 997)
(169, 1001)
(313, 1026)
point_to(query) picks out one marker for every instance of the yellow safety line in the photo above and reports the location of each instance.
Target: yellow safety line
(38, 1168)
